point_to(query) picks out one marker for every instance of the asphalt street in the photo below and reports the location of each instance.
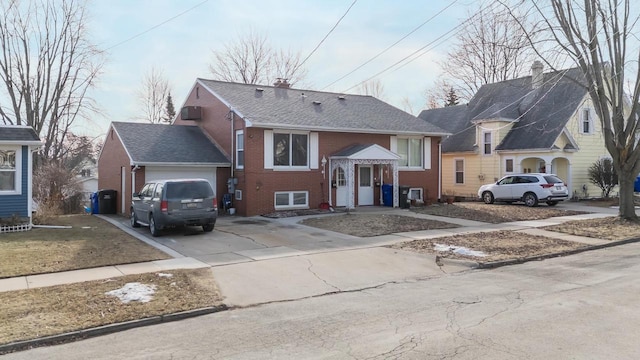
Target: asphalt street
(583, 306)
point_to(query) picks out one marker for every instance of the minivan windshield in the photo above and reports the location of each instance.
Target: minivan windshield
(188, 190)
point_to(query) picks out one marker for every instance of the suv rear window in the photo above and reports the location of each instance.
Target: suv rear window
(188, 190)
(553, 179)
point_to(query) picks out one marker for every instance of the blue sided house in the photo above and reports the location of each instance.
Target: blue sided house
(17, 144)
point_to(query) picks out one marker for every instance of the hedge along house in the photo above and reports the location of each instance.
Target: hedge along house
(17, 145)
(135, 153)
(302, 149)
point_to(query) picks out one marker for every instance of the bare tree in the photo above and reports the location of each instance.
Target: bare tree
(153, 96)
(597, 36)
(406, 105)
(47, 65)
(491, 47)
(372, 87)
(249, 59)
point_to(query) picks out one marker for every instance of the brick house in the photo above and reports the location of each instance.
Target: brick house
(298, 149)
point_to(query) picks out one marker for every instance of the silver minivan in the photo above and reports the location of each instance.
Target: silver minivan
(180, 202)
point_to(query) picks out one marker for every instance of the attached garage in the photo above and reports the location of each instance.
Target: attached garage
(135, 153)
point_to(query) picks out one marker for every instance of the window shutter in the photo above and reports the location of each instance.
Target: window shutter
(393, 144)
(268, 149)
(427, 153)
(313, 150)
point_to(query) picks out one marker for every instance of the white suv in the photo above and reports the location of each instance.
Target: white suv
(529, 188)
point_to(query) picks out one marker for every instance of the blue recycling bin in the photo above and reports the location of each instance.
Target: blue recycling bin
(387, 194)
(636, 185)
(95, 208)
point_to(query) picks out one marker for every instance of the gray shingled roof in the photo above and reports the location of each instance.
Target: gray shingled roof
(158, 143)
(539, 115)
(314, 110)
(18, 134)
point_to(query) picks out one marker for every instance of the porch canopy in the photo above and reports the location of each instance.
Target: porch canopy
(368, 154)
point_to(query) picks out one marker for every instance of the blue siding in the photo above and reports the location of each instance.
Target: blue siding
(17, 204)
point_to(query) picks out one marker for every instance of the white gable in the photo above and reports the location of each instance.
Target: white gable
(374, 151)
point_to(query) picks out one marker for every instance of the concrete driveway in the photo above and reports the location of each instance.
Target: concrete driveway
(241, 239)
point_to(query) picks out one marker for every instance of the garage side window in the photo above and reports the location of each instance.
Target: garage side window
(240, 149)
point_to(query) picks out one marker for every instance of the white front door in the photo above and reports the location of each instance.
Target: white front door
(341, 187)
(365, 185)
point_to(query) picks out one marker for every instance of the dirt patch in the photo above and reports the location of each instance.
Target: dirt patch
(366, 225)
(609, 228)
(91, 242)
(497, 245)
(35, 313)
(494, 213)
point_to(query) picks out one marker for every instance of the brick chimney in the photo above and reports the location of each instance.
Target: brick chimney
(282, 83)
(536, 74)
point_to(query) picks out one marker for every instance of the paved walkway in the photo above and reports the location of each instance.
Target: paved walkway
(291, 261)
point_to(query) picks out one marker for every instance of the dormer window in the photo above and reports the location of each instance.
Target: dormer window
(586, 122)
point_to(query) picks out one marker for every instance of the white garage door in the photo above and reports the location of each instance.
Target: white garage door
(176, 172)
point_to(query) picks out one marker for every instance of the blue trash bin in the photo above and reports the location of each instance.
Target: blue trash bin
(95, 208)
(387, 194)
(636, 185)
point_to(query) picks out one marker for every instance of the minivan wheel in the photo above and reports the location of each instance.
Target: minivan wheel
(152, 227)
(134, 219)
(207, 228)
(487, 196)
(530, 199)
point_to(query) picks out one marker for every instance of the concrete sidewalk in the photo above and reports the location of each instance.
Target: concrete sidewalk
(333, 262)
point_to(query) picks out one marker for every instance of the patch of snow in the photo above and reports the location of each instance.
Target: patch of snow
(133, 292)
(165, 275)
(460, 250)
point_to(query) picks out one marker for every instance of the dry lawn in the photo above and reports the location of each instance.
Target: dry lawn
(496, 245)
(494, 213)
(610, 228)
(91, 242)
(34, 313)
(501, 245)
(366, 225)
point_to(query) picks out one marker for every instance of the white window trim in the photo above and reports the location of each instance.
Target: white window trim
(420, 197)
(591, 122)
(291, 206)
(513, 170)
(238, 149)
(312, 150)
(484, 143)
(455, 178)
(238, 194)
(423, 164)
(18, 170)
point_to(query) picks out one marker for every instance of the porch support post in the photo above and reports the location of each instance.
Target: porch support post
(329, 188)
(351, 184)
(396, 191)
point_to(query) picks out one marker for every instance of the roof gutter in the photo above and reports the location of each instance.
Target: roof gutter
(346, 130)
(178, 164)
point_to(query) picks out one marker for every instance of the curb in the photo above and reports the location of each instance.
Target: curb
(497, 264)
(106, 329)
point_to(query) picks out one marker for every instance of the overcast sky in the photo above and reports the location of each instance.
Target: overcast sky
(182, 47)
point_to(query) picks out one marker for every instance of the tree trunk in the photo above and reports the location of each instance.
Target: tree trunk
(627, 206)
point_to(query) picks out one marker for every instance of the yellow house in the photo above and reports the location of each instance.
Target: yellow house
(543, 123)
